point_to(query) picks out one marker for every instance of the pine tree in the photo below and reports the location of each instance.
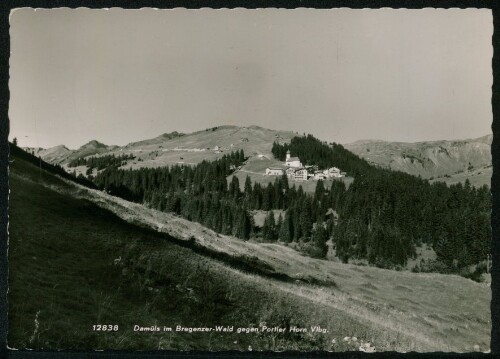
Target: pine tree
(234, 188)
(285, 234)
(248, 187)
(319, 239)
(277, 228)
(268, 230)
(267, 198)
(244, 225)
(297, 224)
(320, 191)
(306, 220)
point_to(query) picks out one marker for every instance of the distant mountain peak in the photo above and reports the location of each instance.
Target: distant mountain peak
(56, 148)
(94, 144)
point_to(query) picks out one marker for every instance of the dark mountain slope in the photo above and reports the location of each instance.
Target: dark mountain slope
(74, 265)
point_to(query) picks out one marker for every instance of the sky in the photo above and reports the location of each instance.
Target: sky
(119, 76)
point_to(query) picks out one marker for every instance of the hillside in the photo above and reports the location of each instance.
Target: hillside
(53, 155)
(62, 155)
(189, 192)
(176, 147)
(445, 161)
(99, 259)
(190, 149)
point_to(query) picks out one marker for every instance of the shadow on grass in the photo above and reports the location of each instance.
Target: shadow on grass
(244, 263)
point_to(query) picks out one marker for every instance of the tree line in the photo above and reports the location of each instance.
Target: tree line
(383, 215)
(198, 193)
(100, 162)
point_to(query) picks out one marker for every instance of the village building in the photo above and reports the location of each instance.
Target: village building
(296, 171)
(334, 172)
(320, 175)
(274, 171)
(292, 161)
(301, 174)
(297, 174)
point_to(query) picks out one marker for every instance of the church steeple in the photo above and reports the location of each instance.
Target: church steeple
(287, 155)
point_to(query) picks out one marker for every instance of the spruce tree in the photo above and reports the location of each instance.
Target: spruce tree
(278, 226)
(285, 234)
(268, 229)
(244, 225)
(234, 188)
(306, 220)
(248, 187)
(319, 239)
(320, 191)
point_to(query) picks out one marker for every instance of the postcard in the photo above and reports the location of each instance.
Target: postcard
(250, 180)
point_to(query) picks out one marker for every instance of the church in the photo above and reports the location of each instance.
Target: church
(292, 161)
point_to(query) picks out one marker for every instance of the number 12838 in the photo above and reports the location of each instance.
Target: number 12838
(105, 327)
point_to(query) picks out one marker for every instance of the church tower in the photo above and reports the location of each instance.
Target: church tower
(287, 155)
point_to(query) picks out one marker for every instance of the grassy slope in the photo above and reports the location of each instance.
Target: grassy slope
(477, 177)
(62, 252)
(433, 159)
(195, 147)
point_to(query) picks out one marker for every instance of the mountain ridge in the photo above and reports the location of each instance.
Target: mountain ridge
(484, 139)
(450, 161)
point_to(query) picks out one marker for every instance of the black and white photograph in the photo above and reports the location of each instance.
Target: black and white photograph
(250, 180)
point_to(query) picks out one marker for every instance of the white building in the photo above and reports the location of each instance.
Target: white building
(320, 175)
(301, 174)
(292, 161)
(274, 171)
(297, 174)
(333, 172)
